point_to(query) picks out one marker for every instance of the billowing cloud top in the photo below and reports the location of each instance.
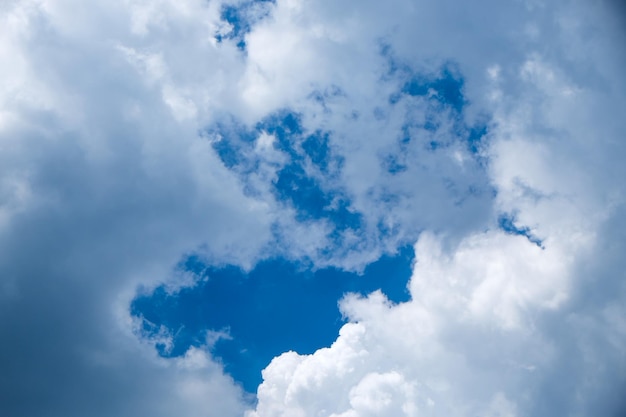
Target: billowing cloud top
(490, 135)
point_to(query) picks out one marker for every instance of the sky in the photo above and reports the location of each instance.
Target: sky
(294, 208)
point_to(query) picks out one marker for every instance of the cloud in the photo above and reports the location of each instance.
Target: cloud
(104, 186)
(492, 329)
(417, 119)
(497, 324)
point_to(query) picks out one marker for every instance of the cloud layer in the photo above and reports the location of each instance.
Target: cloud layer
(135, 133)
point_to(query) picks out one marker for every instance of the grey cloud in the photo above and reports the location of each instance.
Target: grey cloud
(102, 190)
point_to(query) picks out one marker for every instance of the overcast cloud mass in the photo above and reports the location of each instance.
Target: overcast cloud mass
(488, 135)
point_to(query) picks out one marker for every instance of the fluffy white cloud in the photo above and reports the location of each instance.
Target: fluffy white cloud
(493, 328)
(105, 182)
(499, 325)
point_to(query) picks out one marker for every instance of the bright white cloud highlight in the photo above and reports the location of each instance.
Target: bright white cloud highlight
(477, 338)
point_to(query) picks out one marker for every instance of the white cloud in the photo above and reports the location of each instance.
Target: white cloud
(498, 325)
(474, 339)
(105, 183)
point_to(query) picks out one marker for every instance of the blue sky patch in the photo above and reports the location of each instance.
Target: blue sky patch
(317, 148)
(444, 90)
(446, 87)
(276, 307)
(507, 222)
(310, 158)
(311, 202)
(241, 18)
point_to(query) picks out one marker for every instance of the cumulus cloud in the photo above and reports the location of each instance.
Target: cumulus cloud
(493, 328)
(499, 324)
(435, 124)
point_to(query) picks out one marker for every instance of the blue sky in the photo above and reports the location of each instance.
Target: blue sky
(235, 208)
(276, 307)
